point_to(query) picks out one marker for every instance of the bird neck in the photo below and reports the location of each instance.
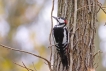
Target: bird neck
(61, 25)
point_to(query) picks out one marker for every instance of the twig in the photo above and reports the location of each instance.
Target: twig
(34, 67)
(99, 4)
(98, 10)
(101, 7)
(96, 53)
(23, 67)
(51, 29)
(49, 64)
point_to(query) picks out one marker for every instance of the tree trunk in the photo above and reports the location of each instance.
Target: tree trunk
(81, 17)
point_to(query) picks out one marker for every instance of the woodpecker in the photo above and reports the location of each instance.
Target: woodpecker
(61, 40)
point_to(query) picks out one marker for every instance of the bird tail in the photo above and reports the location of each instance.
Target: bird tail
(65, 59)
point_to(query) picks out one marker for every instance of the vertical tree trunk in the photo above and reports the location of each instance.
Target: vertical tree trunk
(81, 16)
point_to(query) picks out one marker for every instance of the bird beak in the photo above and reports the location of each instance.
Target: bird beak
(55, 17)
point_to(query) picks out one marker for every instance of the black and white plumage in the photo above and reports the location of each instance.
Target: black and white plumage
(61, 40)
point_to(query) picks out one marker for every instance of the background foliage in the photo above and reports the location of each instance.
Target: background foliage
(25, 25)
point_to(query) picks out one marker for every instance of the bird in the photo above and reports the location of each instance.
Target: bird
(61, 40)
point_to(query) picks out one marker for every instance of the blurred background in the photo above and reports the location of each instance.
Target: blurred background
(25, 25)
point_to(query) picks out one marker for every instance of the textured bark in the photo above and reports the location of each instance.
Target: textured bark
(82, 33)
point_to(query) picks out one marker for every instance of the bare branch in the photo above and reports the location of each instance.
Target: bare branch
(49, 64)
(99, 4)
(51, 29)
(97, 53)
(101, 7)
(34, 67)
(23, 67)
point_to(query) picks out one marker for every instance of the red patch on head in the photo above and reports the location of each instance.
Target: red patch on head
(65, 21)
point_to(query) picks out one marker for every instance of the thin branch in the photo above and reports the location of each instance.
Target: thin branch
(49, 64)
(23, 67)
(51, 29)
(74, 25)
(97, 53)
(34, 67)
(99, 4)
(101, 7)
(98, 10)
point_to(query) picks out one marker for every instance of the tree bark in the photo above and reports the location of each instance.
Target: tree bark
(81, 17)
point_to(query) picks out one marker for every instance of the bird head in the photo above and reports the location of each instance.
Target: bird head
(60, 20)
